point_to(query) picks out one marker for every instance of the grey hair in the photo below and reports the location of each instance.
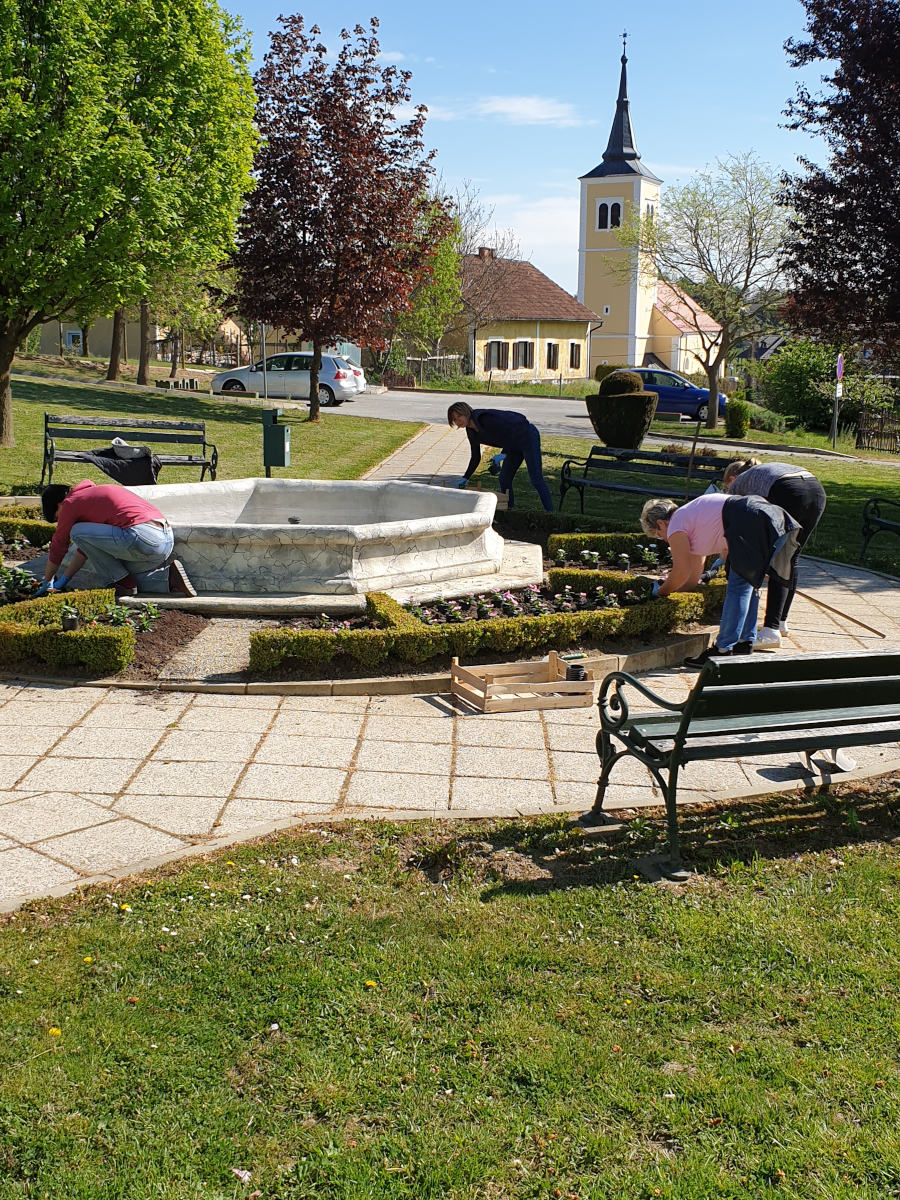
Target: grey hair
(655, 511)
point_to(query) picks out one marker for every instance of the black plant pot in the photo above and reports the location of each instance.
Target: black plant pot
(70, 621)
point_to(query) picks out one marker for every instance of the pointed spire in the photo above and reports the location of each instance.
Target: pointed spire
(621, 155)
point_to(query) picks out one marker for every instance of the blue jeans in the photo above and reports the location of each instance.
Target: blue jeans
(529, 452)
(140, 550)
(738, 621)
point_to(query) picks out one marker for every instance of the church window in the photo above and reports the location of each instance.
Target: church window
(496, 356)
(609, 214)
(523, 355)
(603, 216)
(552, 356)
(615, 216)
(574, 355)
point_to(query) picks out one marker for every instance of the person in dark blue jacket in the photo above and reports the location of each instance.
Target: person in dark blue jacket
(513, 434)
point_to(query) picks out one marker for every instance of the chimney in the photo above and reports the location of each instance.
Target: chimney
(485, 252)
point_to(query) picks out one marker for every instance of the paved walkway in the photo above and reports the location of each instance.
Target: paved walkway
(97, 782)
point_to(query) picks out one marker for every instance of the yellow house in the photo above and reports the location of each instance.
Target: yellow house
(520, 325)
(642, 321)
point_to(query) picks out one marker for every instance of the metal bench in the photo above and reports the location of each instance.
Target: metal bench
(879, 516)
(749, 705)
(133, 430)
(681, 476)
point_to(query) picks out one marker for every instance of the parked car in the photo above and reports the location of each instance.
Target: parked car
(357, 373)
(676, 394)
(287, 375)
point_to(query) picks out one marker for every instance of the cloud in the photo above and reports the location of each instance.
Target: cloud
(392, 56)
(528, 110)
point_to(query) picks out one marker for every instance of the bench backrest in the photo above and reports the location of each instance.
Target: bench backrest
(137, 430)
(745, 687)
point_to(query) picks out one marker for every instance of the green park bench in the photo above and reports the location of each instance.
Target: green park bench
(640, 472)
(879, 516)
(136, 431)
(749, 705)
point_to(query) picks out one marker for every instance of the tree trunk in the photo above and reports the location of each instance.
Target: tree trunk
(143, 375)
(712, 382)
(173, 369)
(115, 348)
(9, 341)
(314, 381)
(85, 330)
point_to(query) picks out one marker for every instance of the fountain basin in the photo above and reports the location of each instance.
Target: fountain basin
(327, 537)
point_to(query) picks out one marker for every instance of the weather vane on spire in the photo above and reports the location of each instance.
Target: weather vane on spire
(624, 42)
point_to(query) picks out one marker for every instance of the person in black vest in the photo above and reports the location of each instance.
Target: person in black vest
(513, 434)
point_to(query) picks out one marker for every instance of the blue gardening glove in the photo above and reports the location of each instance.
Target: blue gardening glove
(45, 588)
(496, 464)
(461, 483)
(52, 585)
(59, 583)
(655, 590)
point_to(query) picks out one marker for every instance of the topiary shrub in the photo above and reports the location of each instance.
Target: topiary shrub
(737, 419)
(621, 412)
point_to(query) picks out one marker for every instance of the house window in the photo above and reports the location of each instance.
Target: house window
(609, 214)
(574, 355)
(496, 356)
(523, 355)
(552, 356)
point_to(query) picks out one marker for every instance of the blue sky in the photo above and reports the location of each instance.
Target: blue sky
(522, 96)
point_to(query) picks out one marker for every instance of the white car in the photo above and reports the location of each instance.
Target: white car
(357, 372)
(287, 375)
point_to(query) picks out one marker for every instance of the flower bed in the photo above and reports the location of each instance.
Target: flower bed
(32, 629)
(527, 602)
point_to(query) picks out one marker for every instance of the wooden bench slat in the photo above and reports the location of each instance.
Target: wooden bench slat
(785, 741)
(796, 696)
(136, 435)
(150, 432)
(124, 422)
(620, 470)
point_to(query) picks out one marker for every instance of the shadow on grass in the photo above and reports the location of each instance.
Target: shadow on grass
(550, 854)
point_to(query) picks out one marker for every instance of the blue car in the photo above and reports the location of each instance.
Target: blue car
(676, 394)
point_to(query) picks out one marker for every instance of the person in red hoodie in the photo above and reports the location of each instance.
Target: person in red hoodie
(127, 541)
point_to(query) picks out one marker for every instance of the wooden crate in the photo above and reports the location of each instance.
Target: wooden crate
(511, 687)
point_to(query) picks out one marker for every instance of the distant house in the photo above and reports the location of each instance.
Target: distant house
(676, 325)
(519, 324)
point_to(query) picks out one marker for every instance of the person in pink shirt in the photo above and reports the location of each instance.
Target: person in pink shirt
(127, 541)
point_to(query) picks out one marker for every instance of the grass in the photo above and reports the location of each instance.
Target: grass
(469, 1013)
(93, 369)
(335, 448)
(847, 485)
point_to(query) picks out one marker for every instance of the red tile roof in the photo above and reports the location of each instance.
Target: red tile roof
(684, 313)
(519, 291)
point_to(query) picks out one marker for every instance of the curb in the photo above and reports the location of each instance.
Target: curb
(667, 654)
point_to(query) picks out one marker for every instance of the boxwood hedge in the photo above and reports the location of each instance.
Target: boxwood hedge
(19, 520)
(31, 630)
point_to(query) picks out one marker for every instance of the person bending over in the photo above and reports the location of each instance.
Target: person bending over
(755, 537)
(127, 541)
(512, 433)
(799, 493)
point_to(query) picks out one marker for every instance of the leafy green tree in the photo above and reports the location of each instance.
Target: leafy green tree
(799, 380)
(437, 297)
(720, 234)
(126, 139)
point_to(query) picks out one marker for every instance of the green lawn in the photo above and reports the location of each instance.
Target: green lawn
(519, 1015)
(847, 484)
(335, 448)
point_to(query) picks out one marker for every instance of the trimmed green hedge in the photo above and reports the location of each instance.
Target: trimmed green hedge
(407, 640)
(31, 629)
(607, 544)
(19, 520)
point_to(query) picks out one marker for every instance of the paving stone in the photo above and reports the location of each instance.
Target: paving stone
(218, 719)
(721, 776)
(114, 716)
(435, 706)
(47, 814)
(119, 843)
(486, 763)
(52, 712)
(573, 737)
(13, 766)
(191, 745)
(304, 723)
(386, 790)
(35, 740)
(572, 716)
(408, 729)
(224, 700)
(313, 785)
(509, 734)
(184, 816)
(27, 873)
(243, 813)
(581, 766)
(335, 705)
(6, 843)
(423, 758)
(185, 779)
(500, 795)
(104, 743)
(83, 774)
(529, 716)
(306, 751)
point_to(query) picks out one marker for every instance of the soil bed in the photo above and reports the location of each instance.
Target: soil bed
(157, 645)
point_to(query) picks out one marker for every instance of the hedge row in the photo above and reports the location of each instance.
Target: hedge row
(606, 544)
(19, 520)
(413, 643)
(31, 629)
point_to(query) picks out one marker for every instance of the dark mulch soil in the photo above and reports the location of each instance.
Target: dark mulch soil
(331, 623)
(165, 637)
(15, 557)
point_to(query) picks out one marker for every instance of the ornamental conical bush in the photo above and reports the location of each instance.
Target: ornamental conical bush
(621, 412)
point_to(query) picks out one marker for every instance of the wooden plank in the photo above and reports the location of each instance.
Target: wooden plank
(122, 422)
(467, 676)
(525, 703)
(146, 435)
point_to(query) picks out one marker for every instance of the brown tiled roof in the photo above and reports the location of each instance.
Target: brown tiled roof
(684, 313)
(519, 291)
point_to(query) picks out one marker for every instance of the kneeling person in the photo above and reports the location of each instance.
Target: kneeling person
(127, 541)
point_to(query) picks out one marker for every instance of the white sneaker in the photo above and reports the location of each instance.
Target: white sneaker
(782, 626)
(767, 639)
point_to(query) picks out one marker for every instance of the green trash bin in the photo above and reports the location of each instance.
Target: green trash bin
(276, 441)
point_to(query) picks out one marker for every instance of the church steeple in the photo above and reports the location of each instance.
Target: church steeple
(621, 155)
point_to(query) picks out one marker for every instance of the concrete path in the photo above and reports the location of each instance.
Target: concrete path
(438, 455)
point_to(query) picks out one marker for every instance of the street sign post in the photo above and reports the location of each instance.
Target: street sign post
(838, 394)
